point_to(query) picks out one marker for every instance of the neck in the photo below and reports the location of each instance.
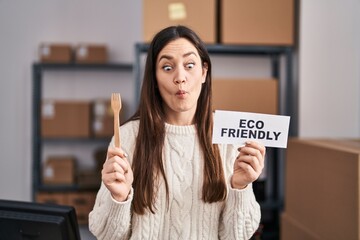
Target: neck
(180, 119)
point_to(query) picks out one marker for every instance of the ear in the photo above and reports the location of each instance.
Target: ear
(204, 72)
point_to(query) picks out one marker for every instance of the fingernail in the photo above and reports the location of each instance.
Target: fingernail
(125, 155)
(239, 149)
(248, 142)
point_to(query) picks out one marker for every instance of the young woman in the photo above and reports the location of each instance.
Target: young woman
(168, 181)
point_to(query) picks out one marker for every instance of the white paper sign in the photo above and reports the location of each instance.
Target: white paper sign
(237, 127)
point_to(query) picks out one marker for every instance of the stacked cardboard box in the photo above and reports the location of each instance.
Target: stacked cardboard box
(77, 119)
(199, 15)
(52, 198)
(103, 123)
(83, 202)
(91, 54)
(257, 22)
(65, 119)
(55, 53)
(59, 171)
(246, 95)
(322, 189)
(89, 178)
(243, 22)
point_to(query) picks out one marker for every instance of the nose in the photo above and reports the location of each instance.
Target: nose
(179, 81)
(180, 76)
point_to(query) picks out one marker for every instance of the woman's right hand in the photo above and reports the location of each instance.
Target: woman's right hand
(117, 174)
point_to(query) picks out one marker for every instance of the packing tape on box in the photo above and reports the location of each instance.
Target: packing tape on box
(177, 11)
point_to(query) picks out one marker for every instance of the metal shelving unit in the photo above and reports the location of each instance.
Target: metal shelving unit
(287, 106)
(37, 141)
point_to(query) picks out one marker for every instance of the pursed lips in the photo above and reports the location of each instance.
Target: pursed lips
(180, 92)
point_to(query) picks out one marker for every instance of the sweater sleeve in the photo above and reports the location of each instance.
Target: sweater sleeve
(241, 214)
(110, 219)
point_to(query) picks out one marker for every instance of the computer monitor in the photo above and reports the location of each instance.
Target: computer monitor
(35, 221)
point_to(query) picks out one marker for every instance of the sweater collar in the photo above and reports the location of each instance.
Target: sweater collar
(183, 130)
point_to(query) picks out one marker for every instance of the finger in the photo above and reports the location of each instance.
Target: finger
(110, 178)
(252, 161)
(113, 151)
(256, 155)
(118, 177)
(122, 163)
(253, 151)
(257, 146)
(249, 151)
(248, 170)
(108, 165)
(116, 164)
(113, 154)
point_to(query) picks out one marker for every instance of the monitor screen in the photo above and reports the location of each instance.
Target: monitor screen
(36, 221)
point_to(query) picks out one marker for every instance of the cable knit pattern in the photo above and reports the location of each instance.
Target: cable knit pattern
(186, 216)
(180, 165)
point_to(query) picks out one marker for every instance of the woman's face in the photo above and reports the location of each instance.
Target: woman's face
(180, 75)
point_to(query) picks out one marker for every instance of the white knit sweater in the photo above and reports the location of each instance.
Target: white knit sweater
(187, 216)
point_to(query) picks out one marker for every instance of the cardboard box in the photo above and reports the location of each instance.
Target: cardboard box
(59, 171)
(68, 119)
(292, 230)
(55, 53)
(260, 96)
(257, 22)
(89, 178)
(91, 54)
(100, 157)
(322, 187)
(51, 198)
(199, 15)
(83, 203)
(103, 119)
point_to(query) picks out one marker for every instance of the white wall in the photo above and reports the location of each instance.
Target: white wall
(23, 25)
(329, 68)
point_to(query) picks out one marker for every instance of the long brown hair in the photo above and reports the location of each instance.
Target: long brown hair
(147, 163)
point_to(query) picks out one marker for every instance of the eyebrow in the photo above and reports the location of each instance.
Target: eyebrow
(170, 57)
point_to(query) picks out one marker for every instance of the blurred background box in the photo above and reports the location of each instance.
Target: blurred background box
(83, 202)
(89, 178)
(257, 22)
(103, 118)
(199, 15)
(65, 119)
(51, 198)
(293, 230)
(55, 53)
(91, 53)
(100, 157)
(322, 186)
(246, 95)
(59, 170)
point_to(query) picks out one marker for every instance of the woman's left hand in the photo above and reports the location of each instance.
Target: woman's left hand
(248, 164)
